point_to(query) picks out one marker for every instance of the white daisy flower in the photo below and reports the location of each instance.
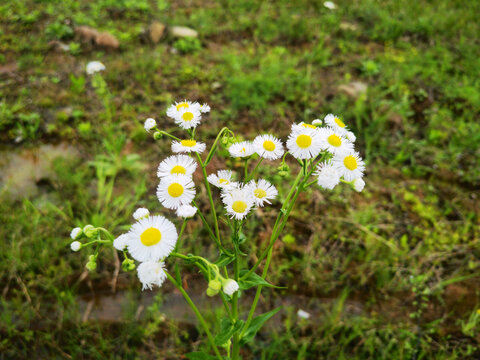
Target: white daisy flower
(262, 191)
(186, 211)
(186, 146)
(76, 232)
(205, 108)
(230, 286)
(336, 123)
(177, 164)
(188, 118)
(75, 245)
(358, 184)
(327, 176)
(351, 136)
(304, 143)
(149, 124)
(334, 141)
(175, 191)
(302, 126)
(349, 164)
(317, 122)
(176, 108)
(121, 242)
(140, 213)
(151, 273)
(268, 147)
(94, 67)
(152, 238)
(241, 149)
(223, 179)
(238, 202)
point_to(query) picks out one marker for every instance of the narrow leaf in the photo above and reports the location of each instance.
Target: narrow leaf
(256, 324)
(254, 280)
(224, 260)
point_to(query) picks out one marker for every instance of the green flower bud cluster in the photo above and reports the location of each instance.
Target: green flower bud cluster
(157, 135)
(283, 170)
(92, 263)
(90, 231)
(128, 265)
(214, 287)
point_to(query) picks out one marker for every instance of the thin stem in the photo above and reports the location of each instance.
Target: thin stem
(255, 168)
(182, 229)
(212, 204)
(209, 229)
(197, 313)
(236, 337)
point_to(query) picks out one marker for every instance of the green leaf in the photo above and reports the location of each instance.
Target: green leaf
(224, 260)
(254, 280)
(200, 355)
(227, 329)
(256, 324)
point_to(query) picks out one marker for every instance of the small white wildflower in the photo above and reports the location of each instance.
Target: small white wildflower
(268, 147)
(334, 141)
(317, 122)
(121, 242)
(151, 273)
(140, 213)
(335, 123)
(187, 146)
(263, 191)
(94, 67)
(186, 211)
(76, 232)
(75, 246)
(149, 124)
(230, 286)
(358, 184)
(238, 202)
(241, 149)
(205, 108)
(330, 5)
(223, 179)
(351, 136)
(302, 314)
(175, 191)
(188, 118)
(304, 142)
(176, 108)
(349, 164)
(152, 238)
(327, 176)
(177, 164)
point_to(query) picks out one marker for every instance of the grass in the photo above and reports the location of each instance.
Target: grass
(388, 273)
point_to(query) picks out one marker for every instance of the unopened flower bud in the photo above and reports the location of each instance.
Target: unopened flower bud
(358, 184)
(149, 124)
(90, 231)
(214, 287)
(76, 245)
(91, 265)
(230, 286)
(157, 135)
(128, 265)
(76, 233)
(317, 122)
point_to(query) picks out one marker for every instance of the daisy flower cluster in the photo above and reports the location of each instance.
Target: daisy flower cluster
(324, 150)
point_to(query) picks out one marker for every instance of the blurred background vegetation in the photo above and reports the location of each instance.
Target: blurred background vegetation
(391, 273)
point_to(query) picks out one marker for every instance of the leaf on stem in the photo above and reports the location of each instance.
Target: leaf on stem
(200, 355)
(254, 280)
(227, 329)
(256, 324)
(224, 260)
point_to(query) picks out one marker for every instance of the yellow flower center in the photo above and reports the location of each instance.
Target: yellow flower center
(269, 145)
(151, 236)
(188, 143)
(223, 181)
(339, 122)
(239, 206)
(175, 190)
(309, 126)
(260, 193)
(188, 116)
(243, 150)
(178, 170)
(334, 140)
(304, 141)
(182, 105)
(350, 162)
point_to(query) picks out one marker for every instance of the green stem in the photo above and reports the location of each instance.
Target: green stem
(236, 337)
(214, 146)
(197, 313)
(254, 169)
(212, 204)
